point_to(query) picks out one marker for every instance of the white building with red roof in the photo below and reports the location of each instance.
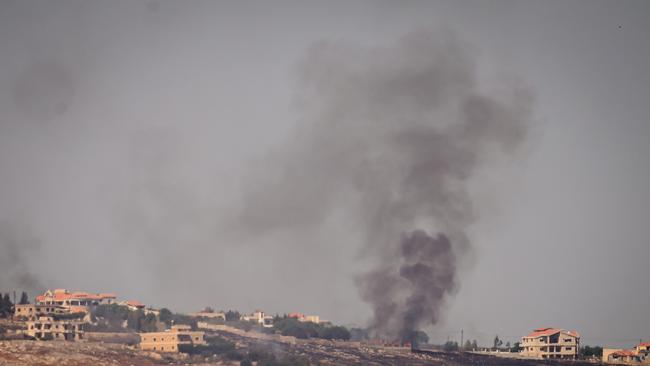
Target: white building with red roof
(63, 297)
(551, 343)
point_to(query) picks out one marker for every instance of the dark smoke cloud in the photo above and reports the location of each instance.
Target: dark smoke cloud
(410, 296)
(391, 136)
(16, 246)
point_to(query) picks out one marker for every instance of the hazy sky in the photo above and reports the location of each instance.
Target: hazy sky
(131, 130)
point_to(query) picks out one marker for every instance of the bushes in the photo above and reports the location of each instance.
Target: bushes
(303, 330)
(335, 332)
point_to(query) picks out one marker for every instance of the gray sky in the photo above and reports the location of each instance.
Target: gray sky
(129, 131)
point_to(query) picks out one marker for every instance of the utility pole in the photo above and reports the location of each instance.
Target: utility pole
(461, 339)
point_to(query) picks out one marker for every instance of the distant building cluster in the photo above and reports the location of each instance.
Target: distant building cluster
(61, 314)
(639, 355)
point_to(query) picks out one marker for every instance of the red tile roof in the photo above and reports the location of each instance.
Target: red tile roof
(59, 295)
(625, 352)
(644, 344)
(541, 332)
(134, 303)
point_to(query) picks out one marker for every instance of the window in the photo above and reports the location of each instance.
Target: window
(567, 348)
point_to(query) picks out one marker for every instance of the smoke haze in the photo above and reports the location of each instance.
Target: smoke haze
(282, 155)
(391, 135)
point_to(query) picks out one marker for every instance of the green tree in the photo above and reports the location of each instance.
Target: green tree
(497, 342)
(134, 320)
(5, 305)
(149, 323)
(166, 316)
(515, 347)
(335, 332)
(468, 345)
(450, 346)
(23, 298)
(232, 315)
(474, 345)
(588, 351)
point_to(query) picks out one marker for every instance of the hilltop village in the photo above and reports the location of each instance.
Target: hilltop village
(234, 338)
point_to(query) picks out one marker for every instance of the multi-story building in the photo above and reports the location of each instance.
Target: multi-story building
(63, 297)
(259, 317)
(48, 328)
(33, 311)
(306, 318)
(551, 343)
(171, 340)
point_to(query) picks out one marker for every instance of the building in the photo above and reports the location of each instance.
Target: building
(171, 340)
(210, 314)
(133, 305)
(33, 311)
(258, 317)
(643, 348)
(620, 356)
(551, 343)
(306, 318)
(639, 355)
(47, 328)
(63, 297)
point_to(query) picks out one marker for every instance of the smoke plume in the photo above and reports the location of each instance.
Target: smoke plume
(392, 135)
(15, 246)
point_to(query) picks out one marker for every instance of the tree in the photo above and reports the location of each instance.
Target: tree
(474, 345)
(515, 347)
(468, 345)
(450, 346)
(7, 300)
(232, 315)
(5, 304)
(134, 320)
(23, 298)
(508, 345)
(497, 342)
(335, 332)
(165, 316)
(588, 351)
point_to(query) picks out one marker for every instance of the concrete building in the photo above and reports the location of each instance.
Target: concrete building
(259, 317)
(643, 348)
(210, 315)
(639, 355)
(133, 305)
(63, 297)
(47, 328)
(551, 343)
(171, 340)
(33, 311)
(306, 318)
